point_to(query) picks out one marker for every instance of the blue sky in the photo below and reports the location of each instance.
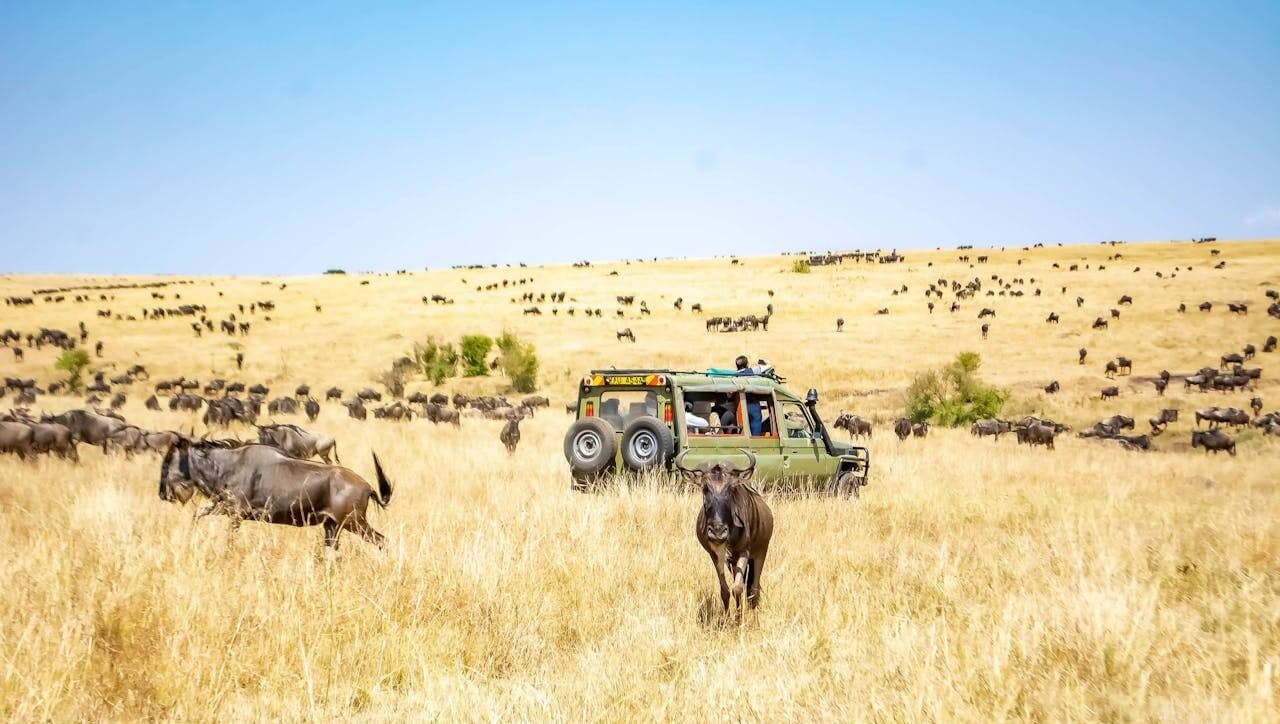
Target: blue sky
(289, 138)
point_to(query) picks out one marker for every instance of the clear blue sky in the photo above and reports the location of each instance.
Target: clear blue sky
(288, 138)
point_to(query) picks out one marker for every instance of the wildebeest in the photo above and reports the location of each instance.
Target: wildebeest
(1111, 391)
(1111, 369)
(153, 403)
(1161, 421)
(1125, 364)
(312, 408)
(1083, 353)
(1222, 415)
(1052, 387)
(1270, 344)
(334, 393)
(87, 427)
(302, 391)
(1119, 422)
(1213, 441)
(356, 409)
(1099, 323)
(920, 429)
(990, 426)
(15, 438)
(1160, 384)
(259, 482)
(1256, 405)
(369, 395)
(299, 443)
(438, 413)
(734, 527)
(902, 428)
(1038, 434)
(626, 334)
(853, 424)
(510, 435)
(283, 406)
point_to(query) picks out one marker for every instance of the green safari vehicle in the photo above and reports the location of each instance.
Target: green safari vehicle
(639, 421)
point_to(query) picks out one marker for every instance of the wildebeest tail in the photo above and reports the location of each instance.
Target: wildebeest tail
(384, 486)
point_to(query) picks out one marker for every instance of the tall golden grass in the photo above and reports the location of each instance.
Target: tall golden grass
(975, 580)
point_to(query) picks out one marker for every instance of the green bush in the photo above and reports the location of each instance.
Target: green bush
(954, 395)
(437, 362)
(800, 266)
(519, 362)
(335, 271)
(73, 362)
(475, 354)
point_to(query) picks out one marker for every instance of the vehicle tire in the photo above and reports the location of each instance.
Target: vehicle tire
(847, 485)
(590, 446)
(647, 444)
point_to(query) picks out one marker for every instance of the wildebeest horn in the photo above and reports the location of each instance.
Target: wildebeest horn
(751, 458)
(679, 461)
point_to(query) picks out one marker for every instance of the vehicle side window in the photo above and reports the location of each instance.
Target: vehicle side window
(721, 413)
(795, 423)
(620, 407)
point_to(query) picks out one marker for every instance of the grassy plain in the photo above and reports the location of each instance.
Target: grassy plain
(975, 580)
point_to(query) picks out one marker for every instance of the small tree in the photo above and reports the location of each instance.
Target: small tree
(954, 395)
(437, 362)
(800, 266)
(519, 362)
(475, 354)
(73, 362)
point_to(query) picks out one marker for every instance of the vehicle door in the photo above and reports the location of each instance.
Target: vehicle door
(803, 454)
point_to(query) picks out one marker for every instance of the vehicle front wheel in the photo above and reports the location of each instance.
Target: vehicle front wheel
(848, 484)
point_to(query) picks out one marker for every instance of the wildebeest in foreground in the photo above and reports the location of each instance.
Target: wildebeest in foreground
(258, 482)
(734, 527)
(1159, 423)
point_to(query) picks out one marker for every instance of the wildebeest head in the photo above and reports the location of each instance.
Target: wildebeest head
(175, 473)
(717, 480)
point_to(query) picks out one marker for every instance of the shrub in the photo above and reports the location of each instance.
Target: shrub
(953, 395)
(335, 271)
(395, 378)
(519, 362)
(73, 362)
(437, 362)
(800, 266)
(475, 353)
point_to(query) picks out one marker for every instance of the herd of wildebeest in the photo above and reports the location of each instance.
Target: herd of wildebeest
(288, 474)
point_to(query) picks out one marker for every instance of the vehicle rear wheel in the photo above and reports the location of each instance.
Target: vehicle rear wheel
(647, 444)
(847, 485)
(590, 447)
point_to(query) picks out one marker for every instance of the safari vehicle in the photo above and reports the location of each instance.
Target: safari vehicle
(635, 421)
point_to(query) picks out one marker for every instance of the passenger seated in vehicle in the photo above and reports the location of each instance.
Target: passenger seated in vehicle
(609, 413)
(725, 413)
(692, 421)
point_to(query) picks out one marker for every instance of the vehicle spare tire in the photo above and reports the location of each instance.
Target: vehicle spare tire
(590, 446)
(647, 444)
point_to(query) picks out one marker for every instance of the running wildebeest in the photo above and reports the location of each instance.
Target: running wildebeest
(920, 429)
(1083, 353)
(312, 408)
(245, 481)
(299, 443)
(1256, 405)
(356, 409)
(1112, 391)
(1052, 387)
(734, 527)
(1111, 369)
(1213, 441)
(1160, 385)
(1160, 422)
(15, 438)
(334, 393)
(87, 427)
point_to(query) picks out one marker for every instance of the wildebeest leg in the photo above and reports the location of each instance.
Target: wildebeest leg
(331, 533)
(359, 525)
(739, 581)
(754, 569)
(724, 585)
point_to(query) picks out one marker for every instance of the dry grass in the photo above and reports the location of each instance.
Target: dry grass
(975, 580)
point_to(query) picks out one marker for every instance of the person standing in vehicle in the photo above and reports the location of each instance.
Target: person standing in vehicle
(754, 422)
